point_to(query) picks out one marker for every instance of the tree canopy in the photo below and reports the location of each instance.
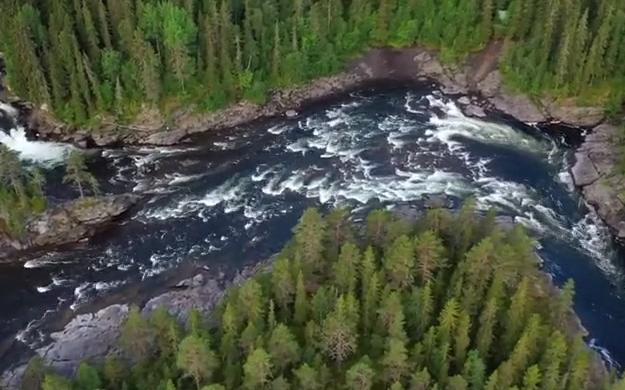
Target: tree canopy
(85, 59)
(439, 326)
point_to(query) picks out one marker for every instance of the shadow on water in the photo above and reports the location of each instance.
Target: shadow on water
(229, 199)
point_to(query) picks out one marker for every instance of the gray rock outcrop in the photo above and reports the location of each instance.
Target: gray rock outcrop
(69, 223)
(595, 173)
(88, 337)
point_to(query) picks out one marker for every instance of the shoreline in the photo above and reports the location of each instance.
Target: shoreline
(477, 83)
(91, 333)
(482, 96)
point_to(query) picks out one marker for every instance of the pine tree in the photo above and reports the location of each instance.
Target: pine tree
(196, 359)
(283, 347)
(346, 268)
(282, 283)
(251, 301)
(307, 378)
(553, 360)
(516, 316)
(309, 235)
(474, 371)
(339, 336)
(532, 378)
(257, 369)
(399, 263)
(360, 376)
(136, 337)
(430, 257)
(76, 172)
(395, 361)
(300, 312)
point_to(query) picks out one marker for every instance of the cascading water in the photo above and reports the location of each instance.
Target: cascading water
(233, 198)
(14, 137)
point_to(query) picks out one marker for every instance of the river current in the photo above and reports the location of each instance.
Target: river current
(231, 199)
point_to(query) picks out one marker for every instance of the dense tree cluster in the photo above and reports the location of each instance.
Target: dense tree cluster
(87, 58)
(450, 302)
(22, 189)
(21, 193)
(571, 47)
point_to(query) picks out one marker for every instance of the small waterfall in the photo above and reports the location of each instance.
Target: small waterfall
(13, 136)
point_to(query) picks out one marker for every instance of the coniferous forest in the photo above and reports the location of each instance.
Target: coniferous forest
(449, 302)
(85, 59)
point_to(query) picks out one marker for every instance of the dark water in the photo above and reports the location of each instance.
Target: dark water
(230, 200)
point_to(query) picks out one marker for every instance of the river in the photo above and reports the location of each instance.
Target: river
(231, 199)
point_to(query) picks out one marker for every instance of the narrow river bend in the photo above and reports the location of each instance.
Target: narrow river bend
(229, 200)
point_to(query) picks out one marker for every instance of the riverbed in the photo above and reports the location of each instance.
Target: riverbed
(228, 200)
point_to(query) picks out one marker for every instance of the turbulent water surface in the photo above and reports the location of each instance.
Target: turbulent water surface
(233, 199)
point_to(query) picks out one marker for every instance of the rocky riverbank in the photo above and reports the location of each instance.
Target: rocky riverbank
(69, 223)
(477, 83)
(477, 77)
(93, 336)
(595, 173)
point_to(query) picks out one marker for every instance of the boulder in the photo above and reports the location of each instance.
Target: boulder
(88, 337)
(584, 171)
(436, 201)
(490, 85)
(505, 222)
(70, 222)
(166, 137)
(568, 112)
(519, 107)
(474, 111)
(428, 64)
(610, 208)
(199, 293)
(291, 113)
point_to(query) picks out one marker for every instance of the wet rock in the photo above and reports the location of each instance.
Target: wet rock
(436, 201)
(505, 222)
(12, 379)
(610, 208)
(464, 100)
(166, 138)
(105, 138)
(490, 85)
(602, 186)
(199, 293)
(406, 212)
(70, 222)
(518, 106)
(475, 111)
(573, 115)
(428, 64)
(584, 172)
(88, 337)
(291, 113)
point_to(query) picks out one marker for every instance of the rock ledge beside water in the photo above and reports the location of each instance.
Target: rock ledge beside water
(594, 172)
(69, 223)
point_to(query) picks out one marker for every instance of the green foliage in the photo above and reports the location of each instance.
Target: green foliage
(76, 172)
(349, 330)
(85, 59)
(21, 194)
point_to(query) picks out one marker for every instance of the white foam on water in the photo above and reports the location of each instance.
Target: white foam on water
(10, 110)
(447, 129)
(605, 354)
(277, 129)
(594, 237)
(410, 98)
(45, 153)
(230, 192)
(177, 179)
(56, 282)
